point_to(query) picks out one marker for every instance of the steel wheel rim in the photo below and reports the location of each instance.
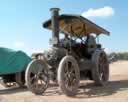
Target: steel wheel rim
(70, 76)
(102, 67)
(38, 79)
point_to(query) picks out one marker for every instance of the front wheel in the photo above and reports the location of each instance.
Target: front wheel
(68, 75)
(36, 76)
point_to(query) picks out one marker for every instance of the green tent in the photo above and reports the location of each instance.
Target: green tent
(12, 61)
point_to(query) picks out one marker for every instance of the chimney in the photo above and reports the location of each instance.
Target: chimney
(55, 25)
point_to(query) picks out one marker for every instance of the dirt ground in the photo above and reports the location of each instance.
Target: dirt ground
(115, 91)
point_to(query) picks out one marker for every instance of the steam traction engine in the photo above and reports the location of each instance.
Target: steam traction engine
(77, 56)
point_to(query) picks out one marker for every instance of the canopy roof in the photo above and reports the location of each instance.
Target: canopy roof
(76, 26)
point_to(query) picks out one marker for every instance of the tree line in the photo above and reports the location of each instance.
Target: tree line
(118, 56)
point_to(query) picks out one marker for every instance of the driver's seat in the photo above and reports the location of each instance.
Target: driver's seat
(91, 44)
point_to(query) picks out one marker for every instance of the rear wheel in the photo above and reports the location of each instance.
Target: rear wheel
(100, 70)
(68, 75)
(36, 76)
(20, 79)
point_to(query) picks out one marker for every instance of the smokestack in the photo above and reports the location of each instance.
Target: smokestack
(55, 25)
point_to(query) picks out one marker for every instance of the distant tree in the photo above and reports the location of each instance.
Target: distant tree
(118, 56)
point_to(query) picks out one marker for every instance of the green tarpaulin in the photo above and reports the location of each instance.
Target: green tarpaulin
(12, 61)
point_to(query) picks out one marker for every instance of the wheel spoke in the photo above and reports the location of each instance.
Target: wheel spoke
(72, 70)
(40, 68)
(32, 78)
(69, 76)
(44, 77)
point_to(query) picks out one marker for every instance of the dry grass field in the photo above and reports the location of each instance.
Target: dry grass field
(115, 91)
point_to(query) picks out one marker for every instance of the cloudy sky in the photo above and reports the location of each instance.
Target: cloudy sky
(21, 22)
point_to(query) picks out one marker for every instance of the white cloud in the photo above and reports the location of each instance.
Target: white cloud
(100, 12)
(19, 44)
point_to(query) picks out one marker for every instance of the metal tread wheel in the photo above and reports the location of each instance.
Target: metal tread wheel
(68, 75)
(100, 70)
(36, 76)
(20, 79)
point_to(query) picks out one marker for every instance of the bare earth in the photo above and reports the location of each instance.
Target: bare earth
(115, 91)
